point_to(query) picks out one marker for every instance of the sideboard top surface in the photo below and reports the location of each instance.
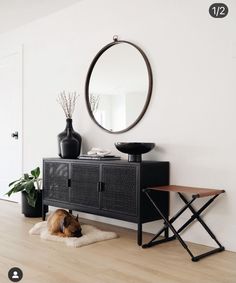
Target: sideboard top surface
(117, 162)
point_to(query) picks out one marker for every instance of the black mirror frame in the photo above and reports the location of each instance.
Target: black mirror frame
(89, 73)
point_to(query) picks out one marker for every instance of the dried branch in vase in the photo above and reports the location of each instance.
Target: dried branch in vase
(67, 102)
(94, 102)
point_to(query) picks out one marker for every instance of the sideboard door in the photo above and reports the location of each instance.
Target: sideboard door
(84, 184)
(55, 181)
(119, 189)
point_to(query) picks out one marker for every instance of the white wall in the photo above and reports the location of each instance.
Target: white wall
(191, 116)
(15, 13)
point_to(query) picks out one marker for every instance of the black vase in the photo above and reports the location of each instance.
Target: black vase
(69, 146)
(75, 135)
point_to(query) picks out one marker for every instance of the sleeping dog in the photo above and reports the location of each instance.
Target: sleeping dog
(63, 224)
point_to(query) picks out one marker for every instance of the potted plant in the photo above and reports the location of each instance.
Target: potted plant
(30, 187)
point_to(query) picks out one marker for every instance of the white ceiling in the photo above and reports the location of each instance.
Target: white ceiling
(14, 13)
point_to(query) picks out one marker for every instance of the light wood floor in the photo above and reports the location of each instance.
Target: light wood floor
(114, 261)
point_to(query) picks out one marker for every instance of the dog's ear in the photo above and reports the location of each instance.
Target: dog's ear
(77, 218)
(66, 221)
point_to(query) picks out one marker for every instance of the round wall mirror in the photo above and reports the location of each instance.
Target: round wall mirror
(118, 86)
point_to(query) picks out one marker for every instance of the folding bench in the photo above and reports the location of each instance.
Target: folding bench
(196, 193)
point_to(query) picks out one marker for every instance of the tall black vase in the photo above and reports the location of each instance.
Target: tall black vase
(69, 146)
(75, 135)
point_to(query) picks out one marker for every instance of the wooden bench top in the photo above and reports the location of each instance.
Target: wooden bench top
(196, 192)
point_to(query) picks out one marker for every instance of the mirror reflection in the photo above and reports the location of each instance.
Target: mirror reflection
(118, 89)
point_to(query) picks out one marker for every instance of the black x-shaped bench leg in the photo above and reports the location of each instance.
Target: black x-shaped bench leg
(168, 225)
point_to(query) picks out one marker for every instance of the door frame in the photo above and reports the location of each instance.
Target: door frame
(4, 53)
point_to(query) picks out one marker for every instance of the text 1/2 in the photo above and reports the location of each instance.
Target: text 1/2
(218, 10)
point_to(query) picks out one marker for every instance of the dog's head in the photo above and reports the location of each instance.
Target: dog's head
(72, 226)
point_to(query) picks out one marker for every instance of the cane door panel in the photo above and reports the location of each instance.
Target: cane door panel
(84, 184)
(119, 192)
(56, 177)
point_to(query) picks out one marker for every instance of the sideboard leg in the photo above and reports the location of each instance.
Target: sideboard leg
(44, 211)
(139, 233)
(166, 233)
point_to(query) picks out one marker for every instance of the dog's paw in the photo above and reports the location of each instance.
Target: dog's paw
(59, 234)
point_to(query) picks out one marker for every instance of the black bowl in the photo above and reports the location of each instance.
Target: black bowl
(134, 149)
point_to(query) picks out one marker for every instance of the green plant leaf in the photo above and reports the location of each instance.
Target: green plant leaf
(29, 187)
(10, 192)
(27, 184)
(32, 194)
(26, 176)
(31, 201)
(36, 172)
(32, 198)
(14, 182)
(17, 188)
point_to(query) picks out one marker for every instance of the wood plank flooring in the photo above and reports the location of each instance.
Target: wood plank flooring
(114, 261)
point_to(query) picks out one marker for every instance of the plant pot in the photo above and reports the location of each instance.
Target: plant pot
(30, 211)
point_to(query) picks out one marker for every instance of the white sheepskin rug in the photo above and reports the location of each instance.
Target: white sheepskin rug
(90, 235)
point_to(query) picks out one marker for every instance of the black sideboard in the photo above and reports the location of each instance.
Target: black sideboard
(106, 188)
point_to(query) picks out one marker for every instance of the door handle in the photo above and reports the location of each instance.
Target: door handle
(15, 135)
(100, 187)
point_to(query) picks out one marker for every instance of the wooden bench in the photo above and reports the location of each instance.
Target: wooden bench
(195, 194)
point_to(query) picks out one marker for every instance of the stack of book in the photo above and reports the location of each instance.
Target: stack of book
(99, 157)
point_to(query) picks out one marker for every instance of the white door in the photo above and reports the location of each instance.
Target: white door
(11, 120)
